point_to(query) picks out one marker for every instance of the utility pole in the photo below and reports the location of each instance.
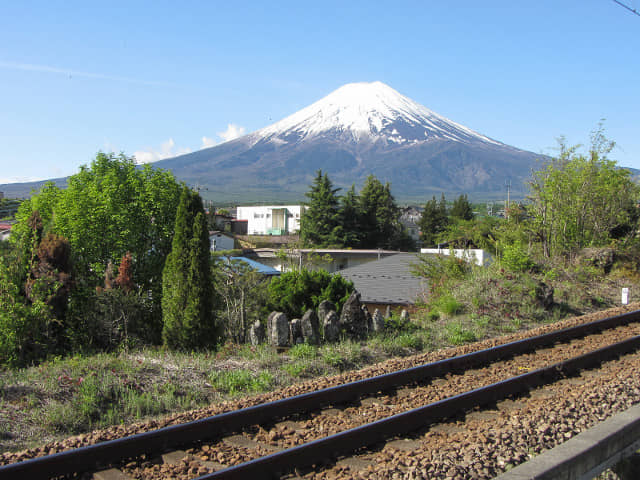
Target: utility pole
(506, 208)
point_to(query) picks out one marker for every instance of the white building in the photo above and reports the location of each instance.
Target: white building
(475, 255)
(271, 220)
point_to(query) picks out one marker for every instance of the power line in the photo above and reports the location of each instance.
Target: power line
(627, 7)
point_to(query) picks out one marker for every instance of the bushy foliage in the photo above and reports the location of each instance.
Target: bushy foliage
(50, 277)
(297, 291)
(516, 258)
(110, 208)
(582, 200)
(440, 270)
(26, 329)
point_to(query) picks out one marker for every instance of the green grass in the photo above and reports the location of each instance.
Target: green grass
(344, 355)
(235, 382)
(401, 343)
(457, 334)
(303, 351)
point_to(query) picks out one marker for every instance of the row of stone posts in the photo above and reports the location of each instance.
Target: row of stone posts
(354, 320)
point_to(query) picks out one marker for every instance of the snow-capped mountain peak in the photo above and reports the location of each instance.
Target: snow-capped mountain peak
(369, 111)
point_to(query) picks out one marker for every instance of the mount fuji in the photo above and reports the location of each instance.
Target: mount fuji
(358, 130)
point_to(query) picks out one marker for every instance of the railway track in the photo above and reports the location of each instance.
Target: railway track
(270, 440)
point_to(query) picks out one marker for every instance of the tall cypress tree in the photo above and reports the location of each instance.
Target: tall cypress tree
(187, 302)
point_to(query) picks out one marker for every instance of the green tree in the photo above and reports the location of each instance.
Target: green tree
(461, 209)
(433, 221)
(320, 219)
(380, 224)
(350, 219)
(113, 207)
(580, 200)
(110, 207)
(188, 297)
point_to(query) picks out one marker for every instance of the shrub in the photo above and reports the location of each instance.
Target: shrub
(300, 290)
(516, 258)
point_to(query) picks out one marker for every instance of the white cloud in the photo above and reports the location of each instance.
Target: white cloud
(208, 142)
(232, 132)
(166, 151)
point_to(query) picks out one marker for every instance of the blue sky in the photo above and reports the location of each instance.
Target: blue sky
(161, 78)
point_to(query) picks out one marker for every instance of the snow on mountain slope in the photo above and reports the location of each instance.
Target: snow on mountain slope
(368, 110)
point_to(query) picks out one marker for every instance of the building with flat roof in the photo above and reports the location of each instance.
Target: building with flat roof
(270, 220)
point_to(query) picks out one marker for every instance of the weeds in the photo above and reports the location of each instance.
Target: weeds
(303, 351)
(234, 382)
(457, 334)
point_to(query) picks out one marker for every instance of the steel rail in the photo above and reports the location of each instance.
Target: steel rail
(317, 451)
(103, 454)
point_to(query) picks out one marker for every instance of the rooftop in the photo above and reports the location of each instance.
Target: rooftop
(388, 280)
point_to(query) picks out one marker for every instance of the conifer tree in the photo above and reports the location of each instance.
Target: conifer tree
(461, 209)
(433, 221)
(187, 302)
(379, 215)
(320, 220)
(350, 219)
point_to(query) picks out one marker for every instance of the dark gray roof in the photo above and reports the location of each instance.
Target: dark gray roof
(388, 280)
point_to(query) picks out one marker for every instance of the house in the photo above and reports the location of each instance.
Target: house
(222, 221)
(409, 218)
(221, 241)
(388, 282)
(270, 220)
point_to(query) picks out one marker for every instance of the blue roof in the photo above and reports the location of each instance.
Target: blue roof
(259, 267)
